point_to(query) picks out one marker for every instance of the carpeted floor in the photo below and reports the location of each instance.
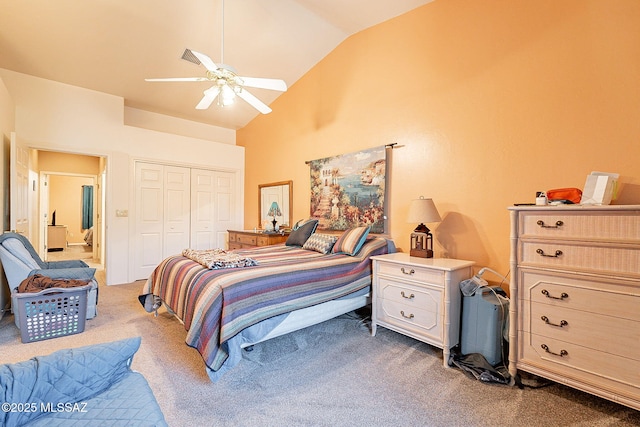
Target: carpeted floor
(332, 374)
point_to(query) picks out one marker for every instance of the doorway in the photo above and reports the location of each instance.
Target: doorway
(70, 225)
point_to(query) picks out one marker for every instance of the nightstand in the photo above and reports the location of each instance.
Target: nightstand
(248, 239)
(419, 297)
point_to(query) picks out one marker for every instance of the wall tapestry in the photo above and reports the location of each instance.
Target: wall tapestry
(349, 190)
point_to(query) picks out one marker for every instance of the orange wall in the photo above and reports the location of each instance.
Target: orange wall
(51, 161)
(489, 101)
(65, 197)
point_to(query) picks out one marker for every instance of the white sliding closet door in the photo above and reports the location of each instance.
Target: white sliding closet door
(225, 201)
(177, 210)
(211, 208)
(149, 218)
(163, 204)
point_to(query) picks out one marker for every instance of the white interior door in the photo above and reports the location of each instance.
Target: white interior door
(44, 215)
(19, 186)
(98, 228)
(177, 210)
(203, 193)
(149, 180)
(212, 197)
(225, 202)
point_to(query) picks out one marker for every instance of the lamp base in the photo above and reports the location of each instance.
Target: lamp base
(421, 245)
(421, 253)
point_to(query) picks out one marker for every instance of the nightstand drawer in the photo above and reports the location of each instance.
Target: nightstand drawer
(420, 322)
(423, 297)
(411, 272)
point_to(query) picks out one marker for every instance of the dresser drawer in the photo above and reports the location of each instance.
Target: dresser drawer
(588, 330)
(602, 368)
(609, 226)
(246, 239)
(616, 259)
(618, 299)
(411, 272)
(262, 241)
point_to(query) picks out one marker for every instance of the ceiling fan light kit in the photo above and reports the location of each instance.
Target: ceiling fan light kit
(227, 83)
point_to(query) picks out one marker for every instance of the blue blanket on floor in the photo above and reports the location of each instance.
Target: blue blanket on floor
(92, 385)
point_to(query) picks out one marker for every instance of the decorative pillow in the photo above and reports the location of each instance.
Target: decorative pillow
(299, 223)
(320, 242)
(351, 241)
(300, 235)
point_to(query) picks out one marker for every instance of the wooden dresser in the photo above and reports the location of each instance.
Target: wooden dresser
(575, 297)
(248, 239)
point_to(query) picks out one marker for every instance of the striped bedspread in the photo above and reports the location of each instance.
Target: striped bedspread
(217, 304)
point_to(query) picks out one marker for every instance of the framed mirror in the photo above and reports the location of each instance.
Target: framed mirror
(280, 193)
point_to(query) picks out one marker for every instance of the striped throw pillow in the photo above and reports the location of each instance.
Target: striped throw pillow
(351, 241)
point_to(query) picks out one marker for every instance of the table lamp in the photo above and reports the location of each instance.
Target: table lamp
(274, 211)
(422, 210)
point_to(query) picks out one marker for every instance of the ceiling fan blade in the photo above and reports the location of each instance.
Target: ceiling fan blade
(179, 79)
(205, 60)
(209, 95)
(261, 83)
(255, 102)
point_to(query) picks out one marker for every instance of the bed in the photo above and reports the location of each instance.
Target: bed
(226, 309)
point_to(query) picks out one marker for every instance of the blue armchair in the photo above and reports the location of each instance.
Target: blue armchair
(20, 260)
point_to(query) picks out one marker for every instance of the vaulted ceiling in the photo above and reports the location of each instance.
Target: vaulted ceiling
(111, 46)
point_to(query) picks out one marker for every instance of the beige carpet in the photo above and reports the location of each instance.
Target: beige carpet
(331, 374)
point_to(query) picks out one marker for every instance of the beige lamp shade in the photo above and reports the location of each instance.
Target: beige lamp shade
(423, 210)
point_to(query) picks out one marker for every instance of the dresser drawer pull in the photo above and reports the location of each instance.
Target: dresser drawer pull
(561, 354)
(405, 316)
(543, 225)
(411, 296)
(556, 255)
(548, 295)
(562, 323)
(408, 273)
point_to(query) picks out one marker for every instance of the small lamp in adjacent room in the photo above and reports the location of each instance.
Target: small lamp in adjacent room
(274, 211)
(422, 210)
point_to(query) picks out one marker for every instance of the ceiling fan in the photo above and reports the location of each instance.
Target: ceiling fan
(226, 81)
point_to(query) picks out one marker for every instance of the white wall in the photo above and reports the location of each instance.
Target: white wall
(154, 121)
(55, 116)
(7, 125)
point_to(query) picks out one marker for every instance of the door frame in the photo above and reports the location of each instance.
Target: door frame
(43, 220)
